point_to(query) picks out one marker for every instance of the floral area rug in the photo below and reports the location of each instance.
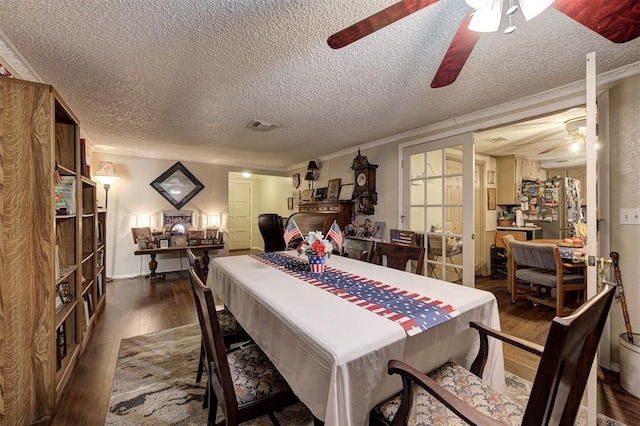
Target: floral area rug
(154, 384)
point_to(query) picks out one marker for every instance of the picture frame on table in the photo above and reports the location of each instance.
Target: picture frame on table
(346, 192)
(164, 243)
(307, 195)
(177, 185)
(333, 189)
(138, 233)
(169, 219)
(321, 194)
(179, 241)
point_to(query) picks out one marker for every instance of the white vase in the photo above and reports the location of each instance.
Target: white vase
(630, 364)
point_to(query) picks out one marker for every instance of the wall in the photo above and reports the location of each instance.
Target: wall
(625, 193)
(132, 197)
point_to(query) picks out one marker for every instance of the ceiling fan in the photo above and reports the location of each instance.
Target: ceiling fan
(617, 20)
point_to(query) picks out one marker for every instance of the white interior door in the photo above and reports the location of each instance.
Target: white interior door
(239, 218)
(438, 194)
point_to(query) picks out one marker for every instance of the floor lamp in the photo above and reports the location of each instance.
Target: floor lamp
(106, 175)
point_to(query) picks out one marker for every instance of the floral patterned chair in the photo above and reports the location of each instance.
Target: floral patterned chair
(453, 395)
(242, 381)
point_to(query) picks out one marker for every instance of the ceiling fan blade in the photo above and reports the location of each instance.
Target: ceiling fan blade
(618, 20)
(377, 21)
(459, 50)
(553, 148)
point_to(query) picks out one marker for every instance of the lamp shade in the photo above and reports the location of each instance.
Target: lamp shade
(309, 176)
(312, 166)
(106, 173)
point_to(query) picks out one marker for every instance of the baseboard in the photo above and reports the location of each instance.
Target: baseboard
(615, 367)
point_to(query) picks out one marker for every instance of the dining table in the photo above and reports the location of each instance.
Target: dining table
(332, 334)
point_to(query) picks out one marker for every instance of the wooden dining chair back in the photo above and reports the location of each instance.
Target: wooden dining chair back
(542, 266)
(194, 262)
(559, 385)
(398, 256)
(232, 331)
(242, 381)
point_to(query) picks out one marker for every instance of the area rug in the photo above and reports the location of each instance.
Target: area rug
(154, 384)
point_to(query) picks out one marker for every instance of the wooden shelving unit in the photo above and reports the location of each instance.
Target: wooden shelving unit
(49, 256)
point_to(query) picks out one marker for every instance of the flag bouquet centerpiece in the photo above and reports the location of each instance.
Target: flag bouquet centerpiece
(315, 246)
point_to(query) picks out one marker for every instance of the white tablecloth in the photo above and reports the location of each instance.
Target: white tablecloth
(333, 353)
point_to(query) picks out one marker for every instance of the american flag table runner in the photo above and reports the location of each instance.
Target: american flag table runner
(413, 311)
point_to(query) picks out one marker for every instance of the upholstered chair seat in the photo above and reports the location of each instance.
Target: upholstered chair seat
(254, 376)
(427, 410)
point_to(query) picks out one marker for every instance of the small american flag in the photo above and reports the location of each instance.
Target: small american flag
(336, 234)
(291, 232)
(401, 238)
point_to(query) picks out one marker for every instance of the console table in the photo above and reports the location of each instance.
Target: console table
(153, 264)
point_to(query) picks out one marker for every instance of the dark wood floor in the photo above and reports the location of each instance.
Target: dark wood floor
(135, 307)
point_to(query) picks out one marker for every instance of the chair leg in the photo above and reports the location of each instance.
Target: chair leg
(205, 400)
(274, 420)
(200, 363)
(213, 407)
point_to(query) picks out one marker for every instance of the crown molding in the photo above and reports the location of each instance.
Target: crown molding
(11, 58)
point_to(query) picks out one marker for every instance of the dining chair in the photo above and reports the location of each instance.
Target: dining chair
(452, 247)
(398, 256)
(541, 266)
(232, 331)
(451, 393)
(271, 229)
(242, 381)
(357, 248)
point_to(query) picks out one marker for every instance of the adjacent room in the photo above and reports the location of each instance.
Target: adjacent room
(307, 213)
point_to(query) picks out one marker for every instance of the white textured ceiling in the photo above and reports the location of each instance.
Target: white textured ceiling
(181, 79)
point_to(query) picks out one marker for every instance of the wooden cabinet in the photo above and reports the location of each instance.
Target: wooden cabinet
(510, 172)
(343, 208)
(44, 254)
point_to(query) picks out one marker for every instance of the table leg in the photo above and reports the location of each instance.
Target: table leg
(153, 265)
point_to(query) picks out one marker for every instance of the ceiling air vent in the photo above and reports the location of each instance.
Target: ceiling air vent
(499, 139)
(261, 125)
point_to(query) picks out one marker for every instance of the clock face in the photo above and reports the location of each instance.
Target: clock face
(361, 180)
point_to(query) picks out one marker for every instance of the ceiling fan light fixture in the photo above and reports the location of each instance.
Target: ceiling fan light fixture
(532, 8)
(510, 29)
(487, 18)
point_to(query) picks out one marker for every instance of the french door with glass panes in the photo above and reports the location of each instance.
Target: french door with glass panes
(438, 204)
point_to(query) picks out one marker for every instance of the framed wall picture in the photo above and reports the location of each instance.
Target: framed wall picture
(296, 197)
(290, 203)
(333, 189)
(173, 218)
(177, 185)
(491, 198)
(346, 192)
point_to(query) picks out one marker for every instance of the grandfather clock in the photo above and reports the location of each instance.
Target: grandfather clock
(365, 179)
